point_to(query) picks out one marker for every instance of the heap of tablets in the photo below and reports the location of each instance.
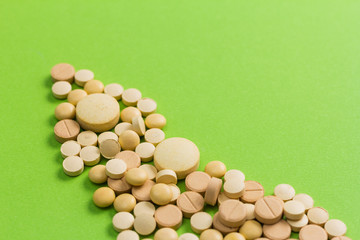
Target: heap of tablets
(146, 196)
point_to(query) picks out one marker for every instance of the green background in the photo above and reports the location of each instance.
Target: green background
(269, 87)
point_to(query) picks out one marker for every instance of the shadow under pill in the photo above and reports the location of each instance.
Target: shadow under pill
(51, 141)
(91, 186)
(62, 176)
(94, 209)
(111, 231)
(48, 82)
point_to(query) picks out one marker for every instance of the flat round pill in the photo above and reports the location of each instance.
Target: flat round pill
(119, 185)
(70, 148)
(294, 210)
(83, 76)
(197, 182)
(234, 236)
(284, 191)
(232, 213)
(128, 235)
(211, 234)
(190, 203)
(94, 86)
(73, 166)
(146, 106)
(61, 89)
(107, 135)
(87, 138)
(250, 211)
(131, 159)
(318, 216)
(160, 194)
(305, 199)
(65, 111)
(115, 90)
(144, 208)
(155, 120)
(234, 174)
(251, 229)
(166, 234)
(168, 216)
(150, 170)
(109, 148)
(166, 176)
(233, 188)
(218, 225)
(123, 221)
(297, 225)
(104, 197)
(154, 136)
(136, 177)
(131, 96)
(115, 168)
(97, 174)
(98, 112)
(200, 222)
(75, 96)
(312, 232)
(129, 140)
(175, 192)
(146, 151)
(124, 202)
(335, 228)
(144, 224)
(127, 114)
(63, 72)
(66, 130)
(188, 236)
(341, 238)
(122, 127)
(213, 190)
(269, 210)
(90, 155)
(253, 192)
(178, 154)
(279, 230)
(222, 198)
(139, 125)
(215, 169)
(142, 193)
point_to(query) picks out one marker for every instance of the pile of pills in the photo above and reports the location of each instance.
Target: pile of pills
(145, 195)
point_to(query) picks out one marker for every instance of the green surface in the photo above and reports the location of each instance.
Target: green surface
(268, 87)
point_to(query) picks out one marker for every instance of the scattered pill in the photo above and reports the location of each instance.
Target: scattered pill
(197, 182)
(160, 194)
(294, 210)
(107, 135)
(215, 169)
(75, 96)
(109, 148)
(150, 170)
(250, 211)
(312, 232)
(73, 166)
(253, 192)
(124, 202)
(166, 234)
(128, 235)
(104, 197)
(63, 72)
(233, 188)
(90, 155)
(211, 234)
(97, 174)
(146, 106)
(222, 198)
(115, 90)
(168, 216)
(190, 203)
(136, 176)
(131, 96)
(61, 89)
(129, 113)
(175, 192)
(70, 148)
(318, 216)
(131, 159)
(232, 213)
(142, 193)
(188, 236)
(119, 185)
(284, 191)
(129, 140)
(87, 138)
(224, 229)
(166, 176)
(154, 136)
(297, 225)
(123, 221)
(65, 111)
(122, 127)
(269, 210)
(83, 76)
(146, 151)
(213, 190)
(139, 126)
(279, 230)
(144, 224)
(94, 86)
(155, 120)
(200, 222)
(251, 229)
(234, 174)
(115, 168)
(234, 236)
(66, 130)
(305, 199)
(335, 228)
(144, 208)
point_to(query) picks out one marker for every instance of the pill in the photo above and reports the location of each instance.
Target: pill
(129, 140)
(144, 224)
(218, 225)
(131, 159)
(131, 96)
(70, 148)
(142, 193)
(136, 176)
(146, 151)
(232, 213)
(155, 120)
(83, 76)
(73, 166)
(98, 112)
(115, 90)
(119, 185)
(305, 199)
(234, 174)
(234, 236)
(61, 89)
(335, 228)
(154, 136)
(251, 229)
(166, 234)
(109, 148)
(115, 168)
(175, 192)
(160, 194)
(213, 190)
(269, 210)
(201, 221)
(250, 211)
(166, 176)
(104, 197)
(215, 169)
(146, 106)
(294, 210)
(90, 155)
(65, 111)
(139, 125)
(168, 216)
(341, 238)
(197, 182)
(279, 230)
(124, 202)
(107, 135)
(94, 86)
(284, 191)
(150, 170)
(123, 221)
(253, 192)
(178, 154)
(233, 188)
(190, 202)
(127, 114)
(144, 208)
(222, 198)
(97, 174)
(122, 127)
(318, 216)
(128, 235)
(66, 130)
(211, 234)
(188, 236)
(87, 138)
(311, 232)
(63, 72)
(75, 96)
(297, 225)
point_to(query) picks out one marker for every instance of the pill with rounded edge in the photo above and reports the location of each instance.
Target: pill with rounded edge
(279, 230)
(82, 76)
(305, 199)
(154, 136)
(61, 89)
(124, 202)
(107, 135)
(166, 234)
(122, 127)
(65, 110)
(115, 90)
(218, 225)
(200, 221)
(312, 232)
(63, 72)
(144, 224)
(284, 191)
(233, 188)
(73, 166)
(139, 125)
(213, 190)
(146, 151)
(211, 234)
(318, 216)
(131, 159)
(166, 176)
(155, 120)
(97, 174)
(70, 148)
(75, 96)
(251, 229)
(66, 130)
(190, 202)
(232, 213)
(150, 170)
(294, 210)
(109, 148)
(253, 192)
(131, 96)
(129, 140)
(269, 210)
(115, 168)
(215, 169)
(128, 235)
(146, 106)
(90, 155)
(123, 221)
(119, 185)
(297, 225)
(136, 176)
(160, 194)
(188, 236)
(335, 228)
(87, 138)
(144, 208)
(197, 182)
(168, 216)
(104, 197)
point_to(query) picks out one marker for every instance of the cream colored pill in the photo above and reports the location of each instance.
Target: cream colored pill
(250, 211)
(83, 76)
(90, 155)
(144, 208)
(234, 188)
(129, 140)
(305, 199)
(104, 197)
(251, 229)
(146, 106)
(150, 170)
(75, 96)
(124, 202)
(335, 228)
(123, 221)
(175, 192)
(188, 236)
(65, 111)
(318, 216)
(115, 90)
(166, 176)
(297, 225)
(61, 89)
(94, 86)
(73, 166)
(122, 127)
(97, 174)
(139, 125)
(146, 151)
(211, 234)
(70, 148)
(131, 96)
(161, 194)
(136, 176)
(109, 148)
(115, 168)
(128, 235)
(63, 72)
(215, 169)
(144, 224)
(294, 210)
(155, 120)
(166, 234)
(284, 191)
(200, 222)
(129, 113)
(234, 174)
(107, 135)
(87, 138)
(154, 136)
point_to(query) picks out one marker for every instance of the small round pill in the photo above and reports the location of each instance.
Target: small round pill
(335, 228)
(144, 208)
(129, 140)
(136, 176)
(188, 236)
(123, 221)
(215, 169)
(61, 89)
(131, 159)
(144, 224)
(253, 192)
(269, 210)
(115, 90)
(155, 120)
(65, 110)
(279, 230)
(234, 236)
(233, 188)
(305, 199)
(87, 138)
(154, 136)
(119, 185)
(160, 194)
(222, 198)
(73, 166)
(109, 148)
(124, 202)
(146, 106)
(166, 234)
(212, 191)
(83, 76)
(312, 232)
(139, 125)
(294, 210)
(115, 168)
(175, 192)
(166, 176)
(168, 216)
(94, 86)
(218, 225)
(251, 229)
(142, 193)
(232, 213)
(131, 96)
(146, 151)
(128, 235)
(250, 211)
(70, 148)
(318, 216)
(97, 174)
(284, 191)
(90, 155)
(76, 95)
(190, 203)
(122, 127)
(211, 234)
(127, 114)
(197, 181)
(234, 174)
(107, 135)
(104, 197)
(200, 222)
(63, 72)
(297, 225)
(66, 130)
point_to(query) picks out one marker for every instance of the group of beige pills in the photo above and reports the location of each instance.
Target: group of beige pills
(145, 195)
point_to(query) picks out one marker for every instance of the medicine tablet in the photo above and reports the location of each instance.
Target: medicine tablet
(166, 176)
(250, 211)
(197, 181)
(131, 96)
(146, 151)
(109, 148)
(131, 159)
(168, 216)
(154, 136)
(146, 106)
(284, 191)
(251, 229)
(115, 168)
(341, 238)
(305, 199)
(142, 193)
(87, 138)
(122, 127)
(61, 89)
(119, 185)
(73, 166)
(215, 169)
(65, 110)
(129, 113)
(218, 225)
(166, 234)
(83, 76)
(139, 125)
(90, 155)
(129, 140)
(297, 225)
(160, 194)
(200, 222)
(94, 86)
(70, 148)
(115, 90)
(222, 198)
(150, 170)
(66, 130)
(232, 213)
(279, 230)
(294, 210)
(136, 176)
(233, 188)
(318, 216)
(312, 232)
(335, 228)
(63, 72)
(124, 202)
(253, 192)
(234, 174)
(128, 235)
(190, 203)
(75, 96)
(144, 208)
(211, 234)
(269, 210)
(97, 174)
(144, 224)
(107, 135)
(213, 190)
(175, 193)
(155, 120)
(188, 236)
(234, 236)
(123, 221)
(104, 197)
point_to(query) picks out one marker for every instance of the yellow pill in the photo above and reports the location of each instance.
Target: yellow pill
(215, 169)
(129, 140)
(94, 86)
(65, 111)
(104, 197)
(166, 234)
(155, 120)
(129, 113)
(97, 174)
(136, 176)
(251, 229)
(211, 234)
(75, 96)
(161, 194)
(124, 202)
(234, 236)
